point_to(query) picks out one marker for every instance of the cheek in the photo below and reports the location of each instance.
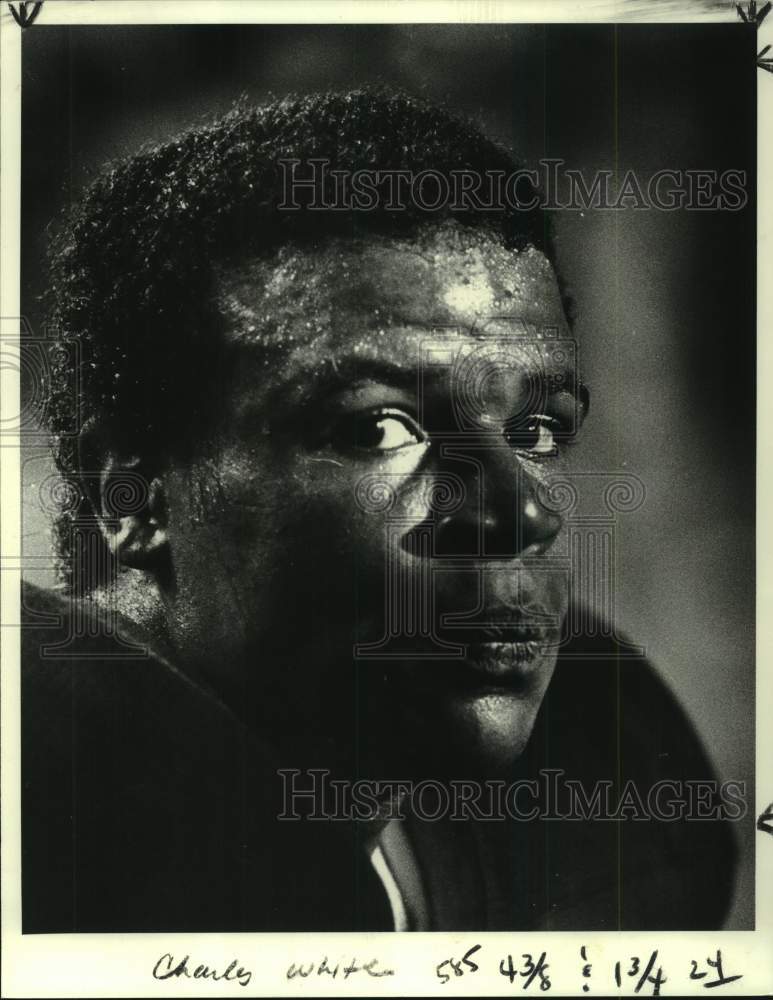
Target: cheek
(294, 537)
(557, 585)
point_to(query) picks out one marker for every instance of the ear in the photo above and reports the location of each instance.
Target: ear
(132, 512)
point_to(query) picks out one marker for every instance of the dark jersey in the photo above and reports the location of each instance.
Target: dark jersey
(148, 806)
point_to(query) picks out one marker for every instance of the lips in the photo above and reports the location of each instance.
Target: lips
(501, 655)
(520, 630)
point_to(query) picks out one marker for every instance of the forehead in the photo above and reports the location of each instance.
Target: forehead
(374, 295)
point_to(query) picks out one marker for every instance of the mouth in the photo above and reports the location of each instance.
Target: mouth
(504, 657)
(497, 658)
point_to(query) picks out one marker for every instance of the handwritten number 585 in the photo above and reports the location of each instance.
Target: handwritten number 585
(456, 966)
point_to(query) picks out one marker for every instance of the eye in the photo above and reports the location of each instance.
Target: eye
(535, 435)
(378, 431)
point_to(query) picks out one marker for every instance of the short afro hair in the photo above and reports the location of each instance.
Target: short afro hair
(131, 269)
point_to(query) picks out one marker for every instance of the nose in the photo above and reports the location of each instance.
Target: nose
(501, 515)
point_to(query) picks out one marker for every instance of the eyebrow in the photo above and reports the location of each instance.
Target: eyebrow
(313, 383)
(333, 375)
(352, 369)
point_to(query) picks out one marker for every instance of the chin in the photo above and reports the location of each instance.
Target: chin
(465, 737)
(489, 731)
(457, 721)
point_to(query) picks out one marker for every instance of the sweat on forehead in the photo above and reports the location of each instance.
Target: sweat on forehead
(443, 274)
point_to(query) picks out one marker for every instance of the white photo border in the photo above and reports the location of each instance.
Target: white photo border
(108, 965)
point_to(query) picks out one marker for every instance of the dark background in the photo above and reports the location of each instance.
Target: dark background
(665, 301)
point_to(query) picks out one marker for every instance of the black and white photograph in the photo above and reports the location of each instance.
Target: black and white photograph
(388, 473)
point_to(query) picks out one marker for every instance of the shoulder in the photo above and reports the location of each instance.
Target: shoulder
(91, 673)
(147, 805)
(667, 857)
(606, 687)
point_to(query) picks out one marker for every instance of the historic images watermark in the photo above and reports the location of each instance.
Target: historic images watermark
(316, 185)
(551, 795)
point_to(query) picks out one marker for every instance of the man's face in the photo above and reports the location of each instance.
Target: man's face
(362, 561)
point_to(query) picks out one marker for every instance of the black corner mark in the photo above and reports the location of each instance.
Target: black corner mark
(28, 12)
(766, 64)
(765, 820)
(751, 15)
